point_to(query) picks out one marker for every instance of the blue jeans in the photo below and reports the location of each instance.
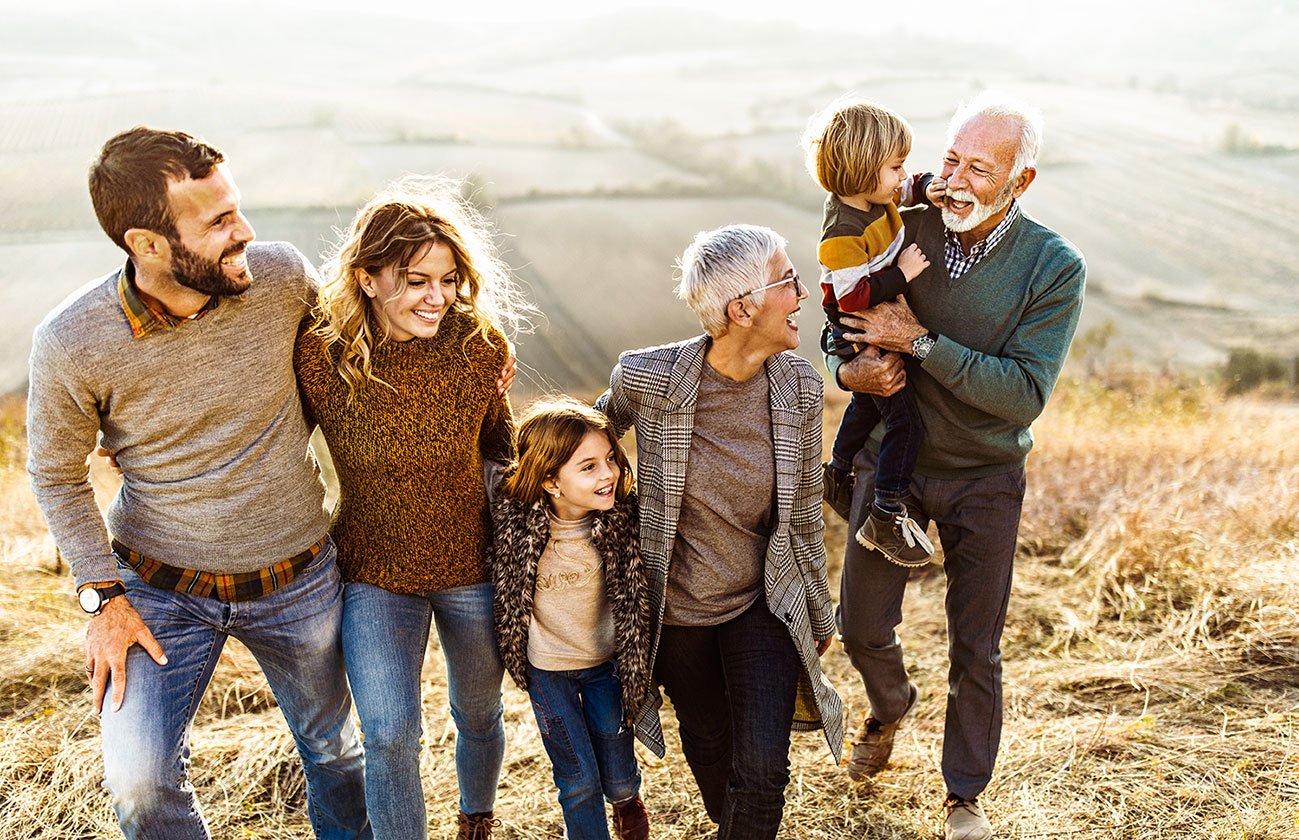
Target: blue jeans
(384, 638)
(294, 634)
(580, 717)
(903, 433)
(733, 687)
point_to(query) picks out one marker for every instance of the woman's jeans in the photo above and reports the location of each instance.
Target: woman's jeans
(293, 633)
(733, 686)
(384, 639)
(581, 721)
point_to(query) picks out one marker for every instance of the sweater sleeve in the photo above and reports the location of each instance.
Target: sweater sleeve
(1016, 384)
(496, 439)
(307, 344)
(496, 435)
(846, 274)
(912, 191)
(62, 429)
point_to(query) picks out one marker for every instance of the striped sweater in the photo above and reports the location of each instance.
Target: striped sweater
(859, 251)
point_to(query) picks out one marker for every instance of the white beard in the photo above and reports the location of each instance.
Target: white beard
(979, 212)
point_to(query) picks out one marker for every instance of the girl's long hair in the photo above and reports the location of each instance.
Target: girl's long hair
(551, 430)
(393, 230)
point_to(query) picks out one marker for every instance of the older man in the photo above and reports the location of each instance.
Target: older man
(988, 327)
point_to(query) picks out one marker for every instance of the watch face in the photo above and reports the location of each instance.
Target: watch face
(89, 599)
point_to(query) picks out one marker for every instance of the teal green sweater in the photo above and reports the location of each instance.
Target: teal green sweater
(1004, 330)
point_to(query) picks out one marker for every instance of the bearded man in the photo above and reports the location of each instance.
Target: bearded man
(183, 362)
(989, 326)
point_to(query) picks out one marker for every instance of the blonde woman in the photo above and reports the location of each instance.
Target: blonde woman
(400, 369)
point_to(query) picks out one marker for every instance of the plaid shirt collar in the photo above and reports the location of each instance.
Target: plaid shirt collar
(959, 262)
(143, 318)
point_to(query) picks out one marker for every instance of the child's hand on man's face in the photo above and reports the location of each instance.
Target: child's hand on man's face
(936, 191)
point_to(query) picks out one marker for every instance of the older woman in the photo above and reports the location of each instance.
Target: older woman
(728, 435)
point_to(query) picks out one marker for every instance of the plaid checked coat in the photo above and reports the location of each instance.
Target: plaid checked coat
(654, 390)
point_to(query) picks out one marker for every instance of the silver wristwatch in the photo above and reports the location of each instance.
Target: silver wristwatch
(921, 346)
(93, 598)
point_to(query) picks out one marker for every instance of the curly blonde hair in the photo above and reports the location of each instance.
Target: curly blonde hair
(392, 230)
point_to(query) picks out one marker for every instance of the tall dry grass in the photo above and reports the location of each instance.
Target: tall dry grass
(1151, 661)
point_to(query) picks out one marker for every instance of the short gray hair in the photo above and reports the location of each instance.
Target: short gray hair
(998, 105)
(722, 264)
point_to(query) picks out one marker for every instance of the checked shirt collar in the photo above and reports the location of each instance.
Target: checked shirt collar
(959, 262)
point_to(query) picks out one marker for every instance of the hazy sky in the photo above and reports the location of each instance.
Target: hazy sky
(963, 19)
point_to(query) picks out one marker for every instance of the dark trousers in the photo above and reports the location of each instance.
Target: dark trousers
(978, 521)
(903, 432)
(733, 687)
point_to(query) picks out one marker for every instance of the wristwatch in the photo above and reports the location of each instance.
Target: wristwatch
(93, 598)
(922, 345)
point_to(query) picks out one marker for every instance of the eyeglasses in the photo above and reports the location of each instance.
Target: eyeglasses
(799, 288)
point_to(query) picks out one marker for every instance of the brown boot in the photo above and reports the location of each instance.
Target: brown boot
(631, 820)
(873, 744)
(477, 826)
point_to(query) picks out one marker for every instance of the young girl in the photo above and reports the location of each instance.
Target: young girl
(571, 613)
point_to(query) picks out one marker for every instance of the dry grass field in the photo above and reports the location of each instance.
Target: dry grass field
(1152, 661)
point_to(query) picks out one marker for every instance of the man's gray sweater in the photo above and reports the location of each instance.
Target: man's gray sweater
(205, 421)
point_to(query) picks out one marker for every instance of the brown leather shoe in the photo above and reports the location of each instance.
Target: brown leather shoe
(477, 826)
(631, 820)
(873, 744)
(965, 820)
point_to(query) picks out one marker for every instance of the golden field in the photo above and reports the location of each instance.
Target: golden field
(1151, 661)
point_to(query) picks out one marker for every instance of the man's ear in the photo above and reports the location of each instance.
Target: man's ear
(1025, 178)
(147, 245)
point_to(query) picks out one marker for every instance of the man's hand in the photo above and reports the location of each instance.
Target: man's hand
(889, 326)
(873, 373)
(823, 645)
(508, 372)
(110, 635)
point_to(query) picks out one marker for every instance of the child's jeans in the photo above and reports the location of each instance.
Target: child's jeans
(580, 717)
(903, 433)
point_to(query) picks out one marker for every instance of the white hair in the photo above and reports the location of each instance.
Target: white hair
(998, 105)
(722, 264)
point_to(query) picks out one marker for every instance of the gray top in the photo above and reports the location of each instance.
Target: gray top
(717, 559)
(205, 421)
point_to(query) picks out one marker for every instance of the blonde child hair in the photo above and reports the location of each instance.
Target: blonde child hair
(848, 143)
(550, 431)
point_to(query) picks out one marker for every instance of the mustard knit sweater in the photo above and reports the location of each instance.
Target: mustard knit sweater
(410, 515)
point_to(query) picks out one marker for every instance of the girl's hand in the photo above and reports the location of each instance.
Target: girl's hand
(823, 645)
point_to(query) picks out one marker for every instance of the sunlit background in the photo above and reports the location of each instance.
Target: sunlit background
(600, 136)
